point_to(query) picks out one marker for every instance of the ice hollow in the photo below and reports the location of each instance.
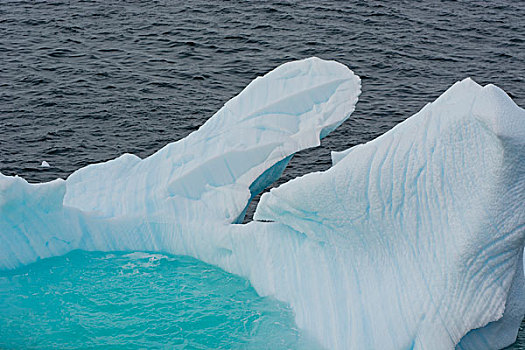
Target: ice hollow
(413, 240)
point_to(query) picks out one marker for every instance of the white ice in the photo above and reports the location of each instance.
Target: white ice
(44, 164)
(413, 240)
(422, 228)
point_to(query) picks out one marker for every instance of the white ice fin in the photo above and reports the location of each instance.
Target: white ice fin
(210, 172)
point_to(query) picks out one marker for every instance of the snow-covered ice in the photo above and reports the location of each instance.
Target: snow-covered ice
(44, 164)
(413, 240)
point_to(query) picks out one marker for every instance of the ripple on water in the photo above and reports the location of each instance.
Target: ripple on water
(87, 299)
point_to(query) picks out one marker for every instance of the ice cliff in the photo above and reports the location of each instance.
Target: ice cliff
(411, 241)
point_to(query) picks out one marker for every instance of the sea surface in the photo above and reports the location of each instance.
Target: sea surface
(85, 81)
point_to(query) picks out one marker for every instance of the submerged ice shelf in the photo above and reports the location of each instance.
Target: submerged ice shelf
(413, 240)
(76, 301)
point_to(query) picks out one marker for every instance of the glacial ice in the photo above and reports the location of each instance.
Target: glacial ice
(413, 240)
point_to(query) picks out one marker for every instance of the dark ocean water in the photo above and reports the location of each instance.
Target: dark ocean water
(85, 81)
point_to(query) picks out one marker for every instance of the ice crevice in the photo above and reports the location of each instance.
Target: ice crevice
(413, 240)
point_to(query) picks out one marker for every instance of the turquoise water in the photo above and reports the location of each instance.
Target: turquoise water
(139, 300)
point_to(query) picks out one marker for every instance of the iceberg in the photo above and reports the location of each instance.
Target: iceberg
(413, 240)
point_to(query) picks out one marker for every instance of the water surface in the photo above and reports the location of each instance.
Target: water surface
(138, 300)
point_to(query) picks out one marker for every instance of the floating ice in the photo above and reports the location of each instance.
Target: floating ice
(44, 164)
(413, 240)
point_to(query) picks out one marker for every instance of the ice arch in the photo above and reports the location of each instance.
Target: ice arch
(199, 183)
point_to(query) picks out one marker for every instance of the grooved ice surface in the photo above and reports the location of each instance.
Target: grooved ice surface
(409, 241)
(419, 234)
